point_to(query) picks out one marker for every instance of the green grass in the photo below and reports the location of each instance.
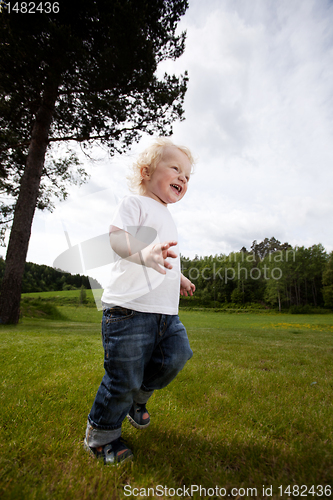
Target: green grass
(253, 407)
(68, 297)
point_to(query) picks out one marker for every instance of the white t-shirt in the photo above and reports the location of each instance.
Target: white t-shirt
(139, 287)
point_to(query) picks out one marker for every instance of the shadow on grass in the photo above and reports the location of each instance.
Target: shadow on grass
(54, 464)
(174, 459)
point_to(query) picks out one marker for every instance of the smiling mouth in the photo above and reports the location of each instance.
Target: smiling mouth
(178, 188)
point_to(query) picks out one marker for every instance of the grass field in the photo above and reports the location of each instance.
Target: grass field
(251, 410)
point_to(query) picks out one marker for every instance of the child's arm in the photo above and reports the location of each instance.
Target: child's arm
(186, 286)
(129, 248)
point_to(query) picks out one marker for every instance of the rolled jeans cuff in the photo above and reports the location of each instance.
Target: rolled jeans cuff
(98, 437)
(141, 397)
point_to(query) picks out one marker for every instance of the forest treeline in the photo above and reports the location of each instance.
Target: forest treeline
(269, 274)
(41, 278)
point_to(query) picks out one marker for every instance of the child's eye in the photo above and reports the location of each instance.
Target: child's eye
(176, 168)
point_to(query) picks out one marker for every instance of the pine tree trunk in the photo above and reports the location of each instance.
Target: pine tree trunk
(25, 209)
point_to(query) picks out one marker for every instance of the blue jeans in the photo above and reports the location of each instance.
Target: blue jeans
(142, 352)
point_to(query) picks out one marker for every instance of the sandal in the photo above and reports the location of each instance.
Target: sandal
(112, 453)
(138, 416)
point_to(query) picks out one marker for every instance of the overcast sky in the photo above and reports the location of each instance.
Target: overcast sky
(259, 120)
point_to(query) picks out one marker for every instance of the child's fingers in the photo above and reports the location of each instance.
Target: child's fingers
(187, 289)
(171, 254)
(168, 244)
(159, 255)
(167, 264)
(168, 253)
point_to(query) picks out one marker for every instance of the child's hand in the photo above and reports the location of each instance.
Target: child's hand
(186, 286)
(156, 256)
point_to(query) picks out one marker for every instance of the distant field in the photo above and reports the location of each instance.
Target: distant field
(53, 305)
(60, 296)
(252, 409)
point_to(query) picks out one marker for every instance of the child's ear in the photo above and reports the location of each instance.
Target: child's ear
(145, 173)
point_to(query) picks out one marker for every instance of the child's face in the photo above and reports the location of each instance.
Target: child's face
(168, 183)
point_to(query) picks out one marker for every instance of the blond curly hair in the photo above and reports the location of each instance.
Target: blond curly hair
(150, 157)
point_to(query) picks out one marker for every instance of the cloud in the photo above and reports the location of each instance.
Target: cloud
(259, 118)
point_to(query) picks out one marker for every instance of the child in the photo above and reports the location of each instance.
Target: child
(145, 344)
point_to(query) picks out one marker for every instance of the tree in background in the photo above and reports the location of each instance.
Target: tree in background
(270, 273)
(85, 72)
(266, 247)
(317, 262)
(328, 282)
